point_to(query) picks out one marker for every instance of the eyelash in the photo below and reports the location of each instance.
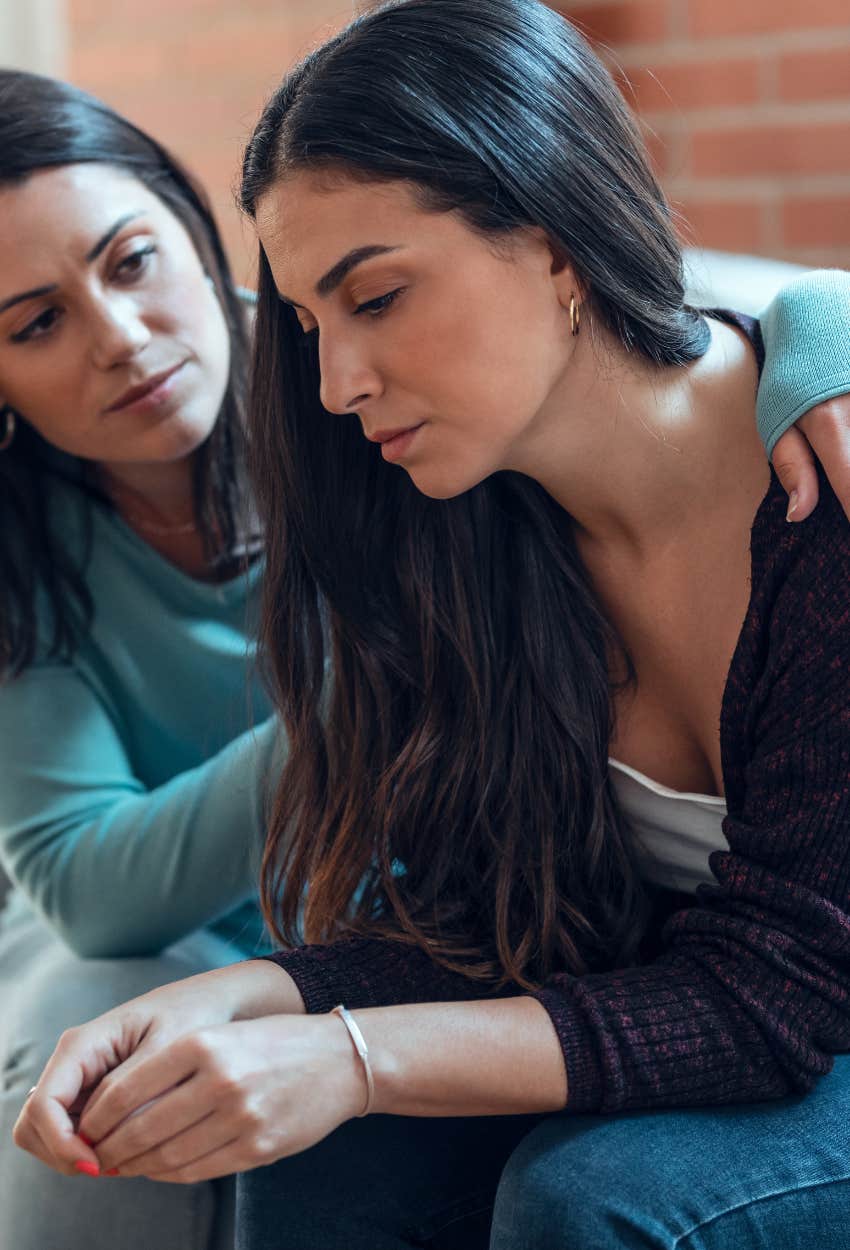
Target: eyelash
(373, 308)
(379, 305)
(31, 331)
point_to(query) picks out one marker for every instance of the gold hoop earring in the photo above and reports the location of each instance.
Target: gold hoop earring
(575, 316)
(9, 433)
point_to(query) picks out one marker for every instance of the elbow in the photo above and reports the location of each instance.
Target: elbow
(95, 943)
(92, 932)
(98, 937)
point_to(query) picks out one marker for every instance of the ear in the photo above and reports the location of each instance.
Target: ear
(564, 277)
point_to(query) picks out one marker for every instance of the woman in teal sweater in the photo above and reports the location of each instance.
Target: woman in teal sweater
(136, 735)
(131, 788)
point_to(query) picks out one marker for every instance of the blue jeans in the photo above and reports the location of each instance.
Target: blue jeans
(762, 1176)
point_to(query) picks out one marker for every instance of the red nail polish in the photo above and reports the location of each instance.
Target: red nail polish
(112, 1172)
(86, 1140)
(90, 1169)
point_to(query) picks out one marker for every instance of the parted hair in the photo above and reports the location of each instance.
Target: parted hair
(443, 668)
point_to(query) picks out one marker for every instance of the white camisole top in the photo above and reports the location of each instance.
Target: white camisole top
(676, 831)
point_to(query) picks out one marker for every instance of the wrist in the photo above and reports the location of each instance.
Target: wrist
(372, 1065)
(385, 1070)
(356, 1093)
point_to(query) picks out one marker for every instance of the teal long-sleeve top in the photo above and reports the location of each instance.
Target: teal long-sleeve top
(134, 777)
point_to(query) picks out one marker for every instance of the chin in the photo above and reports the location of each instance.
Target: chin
(443, 486)
(178, 438)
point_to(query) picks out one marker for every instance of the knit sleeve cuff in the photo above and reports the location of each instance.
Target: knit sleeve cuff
(372, 972)
(578, 1046)
(311, 980)
(806, 331)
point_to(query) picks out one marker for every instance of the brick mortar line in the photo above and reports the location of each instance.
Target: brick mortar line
(759, 114)
(732, 47)
(724, 189)
(178, 31)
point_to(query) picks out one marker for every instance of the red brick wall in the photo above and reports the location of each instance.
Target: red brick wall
(747, 102)
(747, 109)
(196, 73)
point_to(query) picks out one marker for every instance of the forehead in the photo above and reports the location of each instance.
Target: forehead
(307, 222)
(66, 210)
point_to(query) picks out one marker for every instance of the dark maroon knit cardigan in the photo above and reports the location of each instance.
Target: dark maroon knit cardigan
(747, 997)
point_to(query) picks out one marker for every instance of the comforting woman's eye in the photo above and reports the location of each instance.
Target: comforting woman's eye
(374, 307)
(135, 264)
(38, 327)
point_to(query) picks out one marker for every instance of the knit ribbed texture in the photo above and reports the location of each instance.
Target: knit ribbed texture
(812, 312)
(749, 996)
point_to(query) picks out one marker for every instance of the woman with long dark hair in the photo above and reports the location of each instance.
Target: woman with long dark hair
(135, 737)
(564, 817)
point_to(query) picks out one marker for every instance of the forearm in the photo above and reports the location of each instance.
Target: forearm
(244, 991)
(498, 1057)
(119, 871)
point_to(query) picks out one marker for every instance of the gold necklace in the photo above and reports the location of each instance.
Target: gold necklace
(149, 527)
(160, 531)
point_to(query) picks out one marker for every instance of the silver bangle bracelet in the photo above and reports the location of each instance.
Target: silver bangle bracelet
(363, 1052)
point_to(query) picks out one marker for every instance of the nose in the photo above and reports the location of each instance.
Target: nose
(119, 331)
(348, 378)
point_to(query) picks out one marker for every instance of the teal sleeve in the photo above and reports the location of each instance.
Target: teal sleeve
(806, 330)
(116, 869)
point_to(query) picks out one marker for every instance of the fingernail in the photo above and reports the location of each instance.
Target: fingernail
(86, 1140)
(90, 1169)
(112, 1172)
(792, 505)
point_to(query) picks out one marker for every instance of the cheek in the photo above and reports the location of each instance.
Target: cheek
(49, 388)
(217, 342)
(189, 310)
(489, 354)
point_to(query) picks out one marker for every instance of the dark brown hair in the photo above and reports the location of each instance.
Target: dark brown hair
(442, 667)
(45, 123)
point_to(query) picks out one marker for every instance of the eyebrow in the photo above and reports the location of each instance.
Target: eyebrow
(91, 256)
(340, 271)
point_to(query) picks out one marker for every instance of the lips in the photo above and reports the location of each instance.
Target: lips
(150, 384)
(385, 436)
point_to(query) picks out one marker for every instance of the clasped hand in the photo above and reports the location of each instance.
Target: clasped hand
(170, 1087)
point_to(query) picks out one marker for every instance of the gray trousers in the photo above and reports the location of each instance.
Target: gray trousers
(45, 989)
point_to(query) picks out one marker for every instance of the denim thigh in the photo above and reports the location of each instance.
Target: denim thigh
(760, 1176)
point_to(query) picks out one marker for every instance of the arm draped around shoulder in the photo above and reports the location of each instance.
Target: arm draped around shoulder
(750, 996)
(118, 869)
(806, 332)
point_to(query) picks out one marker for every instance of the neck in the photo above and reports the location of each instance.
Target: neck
(162, 493)
(631, 450)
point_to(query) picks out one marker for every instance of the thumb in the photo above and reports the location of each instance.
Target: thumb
(795, 467)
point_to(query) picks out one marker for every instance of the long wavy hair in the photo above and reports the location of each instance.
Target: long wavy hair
(45, 123)
(443, 668)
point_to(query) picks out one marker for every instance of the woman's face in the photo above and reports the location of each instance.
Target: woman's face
(113, 344)
(430, 330)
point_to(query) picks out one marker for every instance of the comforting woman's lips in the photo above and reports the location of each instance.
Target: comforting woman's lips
(156, 390)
